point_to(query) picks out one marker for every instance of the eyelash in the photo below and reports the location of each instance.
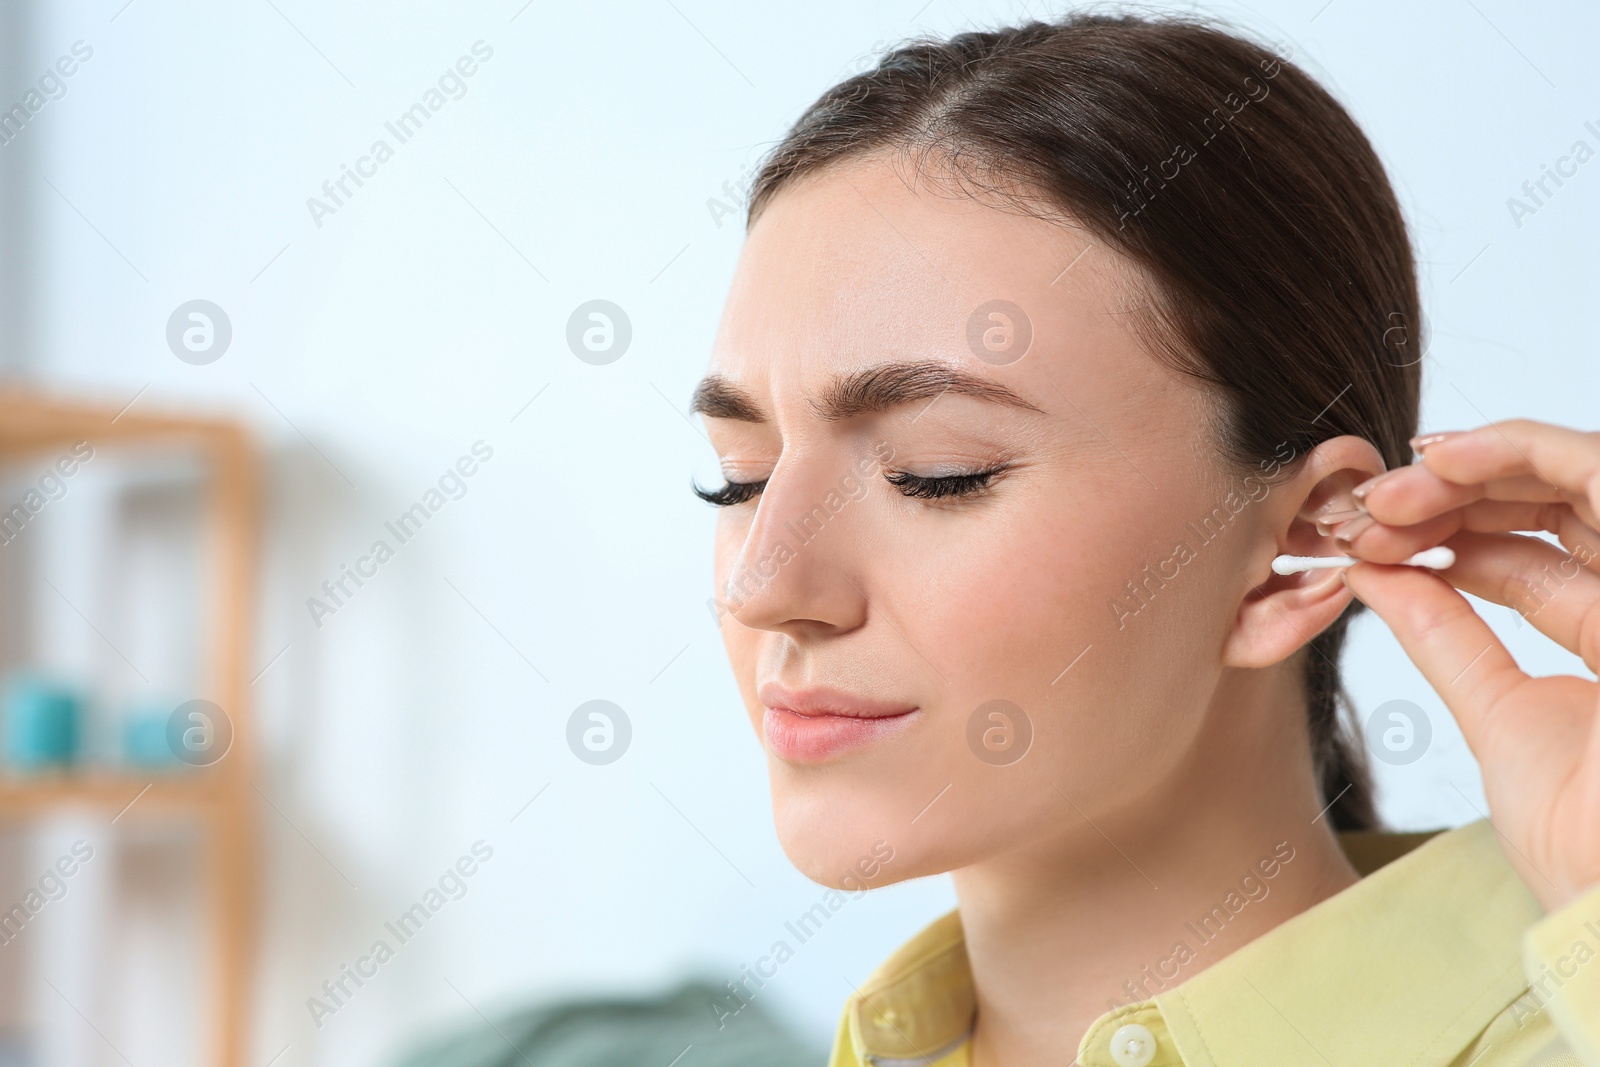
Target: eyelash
(910, 485)
(950, 485)
(731, 494)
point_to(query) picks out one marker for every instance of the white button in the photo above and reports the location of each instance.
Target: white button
(1133, 1046)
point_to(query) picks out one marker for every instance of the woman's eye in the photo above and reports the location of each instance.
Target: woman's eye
(730, 494)
(918, 486)
(943, 487)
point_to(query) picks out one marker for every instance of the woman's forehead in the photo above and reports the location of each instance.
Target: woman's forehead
(854, 262)
(1021, 349)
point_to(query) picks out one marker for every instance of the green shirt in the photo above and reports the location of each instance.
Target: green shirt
(1438, 957)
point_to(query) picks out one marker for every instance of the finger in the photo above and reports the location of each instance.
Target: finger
(1542, 583)
(1565, 458)
(1382, 543)
(1453, 648)
(1408, 495)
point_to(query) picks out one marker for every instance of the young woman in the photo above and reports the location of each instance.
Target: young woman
(1043, 344)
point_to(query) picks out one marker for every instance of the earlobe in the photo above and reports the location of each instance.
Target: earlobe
(1283, 613)
(1279, 613)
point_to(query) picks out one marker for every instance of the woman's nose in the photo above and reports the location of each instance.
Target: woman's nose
(799, 567)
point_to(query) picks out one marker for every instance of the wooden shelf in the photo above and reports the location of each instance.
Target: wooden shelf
(30, 422)
(157, 790)
(218, 798)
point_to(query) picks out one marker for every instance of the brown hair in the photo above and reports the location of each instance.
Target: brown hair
(1281, 269)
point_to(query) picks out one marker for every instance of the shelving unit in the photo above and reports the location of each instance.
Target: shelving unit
(217, 798)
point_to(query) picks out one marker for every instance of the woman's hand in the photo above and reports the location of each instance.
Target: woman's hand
(1537, 740)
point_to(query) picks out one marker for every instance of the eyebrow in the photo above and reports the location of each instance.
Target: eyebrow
(862, 392)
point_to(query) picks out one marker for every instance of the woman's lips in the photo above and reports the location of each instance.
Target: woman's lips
(816, 724)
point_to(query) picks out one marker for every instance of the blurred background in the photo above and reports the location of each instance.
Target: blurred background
(244, 346)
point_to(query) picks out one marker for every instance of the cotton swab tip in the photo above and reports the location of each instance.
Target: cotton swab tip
(1434, 558)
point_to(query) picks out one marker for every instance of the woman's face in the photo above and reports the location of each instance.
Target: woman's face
(951, 667)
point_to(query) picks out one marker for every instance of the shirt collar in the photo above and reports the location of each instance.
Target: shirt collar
(1407, 965)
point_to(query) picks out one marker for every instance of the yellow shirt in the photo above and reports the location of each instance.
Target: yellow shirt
(1438, 957)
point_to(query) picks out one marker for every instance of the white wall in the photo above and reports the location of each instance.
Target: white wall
(372, 351)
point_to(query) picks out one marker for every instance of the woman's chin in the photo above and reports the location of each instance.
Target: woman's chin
(850, 846)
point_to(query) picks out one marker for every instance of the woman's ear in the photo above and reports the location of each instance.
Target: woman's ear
(1282, 612)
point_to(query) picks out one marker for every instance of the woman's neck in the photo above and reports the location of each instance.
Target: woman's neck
(1060, 933)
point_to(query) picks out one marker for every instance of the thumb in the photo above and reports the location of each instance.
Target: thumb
(1448, 641)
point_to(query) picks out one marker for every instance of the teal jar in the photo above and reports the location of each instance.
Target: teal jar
(42, 721)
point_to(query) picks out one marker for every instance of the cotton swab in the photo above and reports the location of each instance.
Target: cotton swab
(1433, 558)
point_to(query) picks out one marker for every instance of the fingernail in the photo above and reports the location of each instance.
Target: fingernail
(1352, 530)
(1360, 492)
(1326, 523)
(1422, 441)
